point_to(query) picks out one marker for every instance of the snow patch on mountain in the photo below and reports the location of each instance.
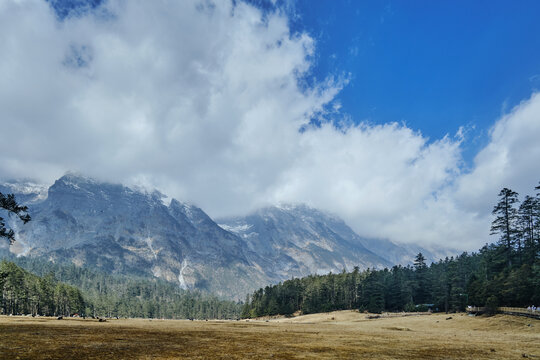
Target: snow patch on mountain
(149, 242)
(181, 280)
(39, 192)
(122, 230)
(237, 229)
(156, 271)
(20, 247)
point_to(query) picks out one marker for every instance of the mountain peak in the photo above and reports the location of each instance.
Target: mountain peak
(299, 210)
(76, 177)
(72, 181)
(195, 214)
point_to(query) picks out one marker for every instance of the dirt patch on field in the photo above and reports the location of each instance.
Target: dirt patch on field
(348, 336)
(395, 328)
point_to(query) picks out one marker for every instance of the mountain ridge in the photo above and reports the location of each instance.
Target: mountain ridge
(122, 230)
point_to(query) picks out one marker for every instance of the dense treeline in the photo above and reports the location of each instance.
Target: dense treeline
(505, 273)
(107, 295)
(25, 293)
(102, 294)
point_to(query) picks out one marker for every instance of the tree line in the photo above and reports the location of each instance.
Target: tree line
(505, 273)
(25, 293)
(65, 289)
(102, 295)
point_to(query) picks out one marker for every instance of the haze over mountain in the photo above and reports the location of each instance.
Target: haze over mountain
(315, 240)
(129, 231)
(391, 117)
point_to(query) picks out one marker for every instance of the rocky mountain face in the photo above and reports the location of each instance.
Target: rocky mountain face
(300, 240)
(121, 230)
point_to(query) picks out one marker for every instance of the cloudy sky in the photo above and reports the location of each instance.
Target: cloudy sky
(404, 118)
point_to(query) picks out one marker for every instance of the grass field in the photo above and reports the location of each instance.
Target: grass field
(337, 335)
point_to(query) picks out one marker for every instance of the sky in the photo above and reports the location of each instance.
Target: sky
(436, 66)
(405, 118)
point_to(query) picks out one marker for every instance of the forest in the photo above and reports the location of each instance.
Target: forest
(505, 273)
(67, 289)
(26, 293)
(39, 287)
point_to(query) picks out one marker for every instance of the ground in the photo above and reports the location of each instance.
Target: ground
(336, 335)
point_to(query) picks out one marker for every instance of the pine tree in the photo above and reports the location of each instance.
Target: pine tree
(505, 222)
(527, 221)
(394, 299)
(374, 292)
(536, 223)
(422, 284)
(9, 204)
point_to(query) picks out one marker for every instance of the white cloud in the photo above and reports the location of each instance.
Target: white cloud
(511, 158)
(204, 103)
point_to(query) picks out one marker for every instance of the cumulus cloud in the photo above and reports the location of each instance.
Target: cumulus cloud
(183, 93)
(510, 159)
(205, 101)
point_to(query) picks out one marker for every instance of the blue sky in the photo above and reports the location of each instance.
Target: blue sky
(435, 65)
(204, 101)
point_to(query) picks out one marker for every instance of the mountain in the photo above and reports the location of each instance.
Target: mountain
(121, 230)
(27, 191)
(301, 240)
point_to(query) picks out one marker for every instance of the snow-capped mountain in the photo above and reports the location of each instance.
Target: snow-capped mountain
(122, 230)
(27, 191)
(301, 240)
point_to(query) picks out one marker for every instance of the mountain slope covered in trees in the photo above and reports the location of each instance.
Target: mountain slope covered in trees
(24, 293)
(298, 240)
(128, 231)
(125, 231)
(506, 273)
(67, 289)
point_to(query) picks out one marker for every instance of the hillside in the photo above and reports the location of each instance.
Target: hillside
(64, 290)
(122, 230)
(506, 273)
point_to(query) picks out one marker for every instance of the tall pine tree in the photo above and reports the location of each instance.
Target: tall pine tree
(505, 222)
(528, 220)
(422, 285)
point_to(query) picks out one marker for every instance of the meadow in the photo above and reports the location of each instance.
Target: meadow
(336, 335)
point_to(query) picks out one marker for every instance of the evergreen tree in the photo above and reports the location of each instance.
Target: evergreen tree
(374, 292)
(394, 298)
(505, 222)
(103, 294)
(536, 223)
(421, 281)
(528, 228)
(441, 287)
(8, 203)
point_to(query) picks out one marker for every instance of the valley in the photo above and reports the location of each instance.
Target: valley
(269, 179)
(129, 231)
(336, 335)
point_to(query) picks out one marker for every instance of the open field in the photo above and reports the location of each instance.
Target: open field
(337, 335)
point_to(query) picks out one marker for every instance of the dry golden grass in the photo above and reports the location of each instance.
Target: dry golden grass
(337, 335)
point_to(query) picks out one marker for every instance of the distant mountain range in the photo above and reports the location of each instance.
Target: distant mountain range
(122, 230)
